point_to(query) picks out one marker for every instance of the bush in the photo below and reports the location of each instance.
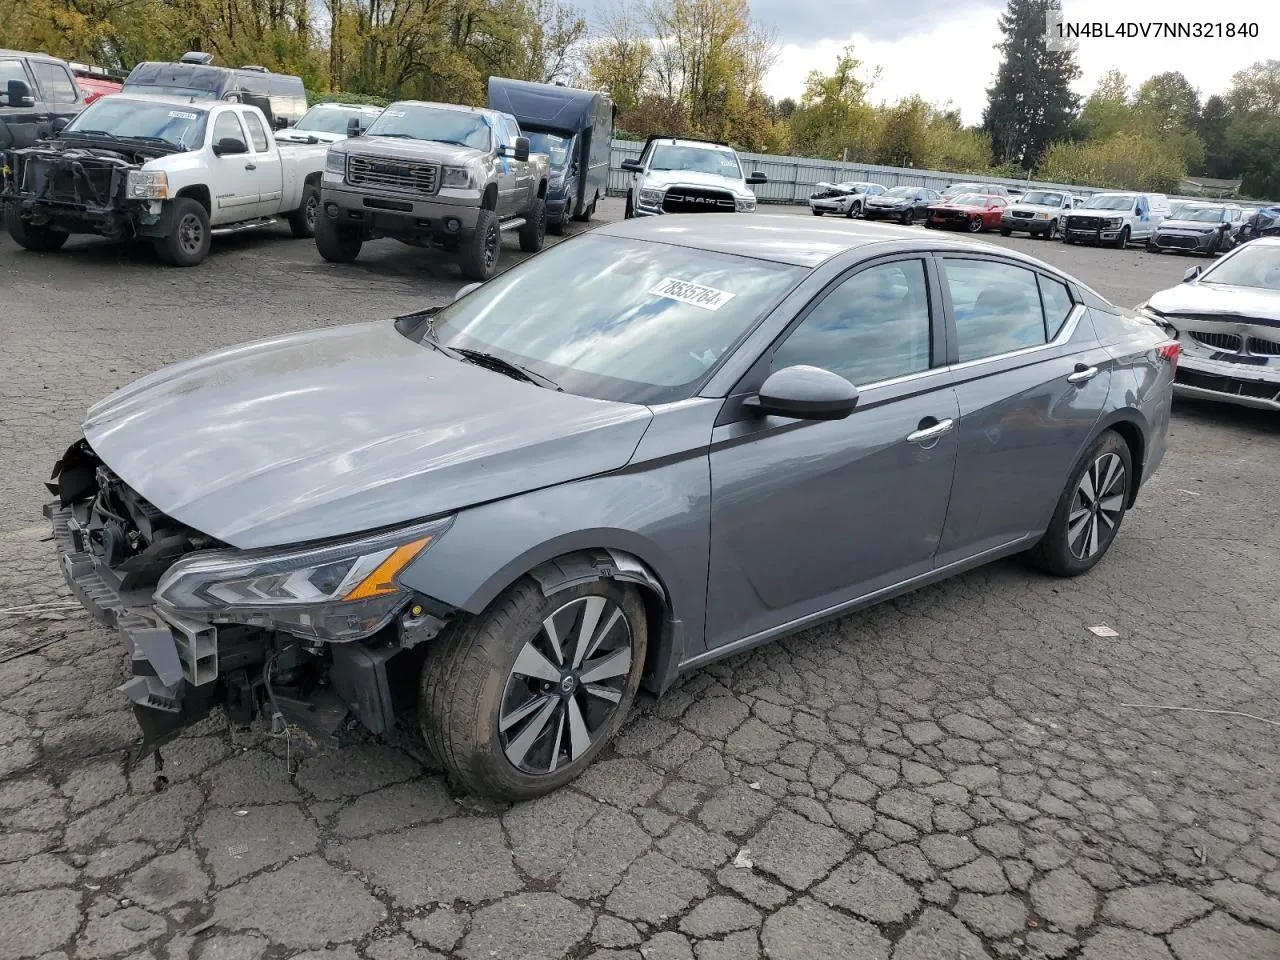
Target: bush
(314, 97)
(1126, 161)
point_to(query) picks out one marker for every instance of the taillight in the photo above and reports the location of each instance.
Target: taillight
(1171, 352)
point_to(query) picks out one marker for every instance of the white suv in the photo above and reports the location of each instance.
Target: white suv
(674, 175)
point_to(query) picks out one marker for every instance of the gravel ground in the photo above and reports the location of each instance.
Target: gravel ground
(960, 773)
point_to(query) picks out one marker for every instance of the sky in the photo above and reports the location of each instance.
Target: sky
(930, 48)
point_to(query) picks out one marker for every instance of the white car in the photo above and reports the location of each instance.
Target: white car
(1116, 219)
(676, 175)
(843, 199)
(172, 170)
(1038, 213)
(329, 123)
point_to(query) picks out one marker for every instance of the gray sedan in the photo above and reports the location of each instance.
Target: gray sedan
(517, 511)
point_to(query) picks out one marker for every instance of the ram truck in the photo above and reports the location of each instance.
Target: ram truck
(172, 170)
(439, 176)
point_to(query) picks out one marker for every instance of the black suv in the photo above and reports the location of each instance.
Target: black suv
(38, 96)
(280, 96)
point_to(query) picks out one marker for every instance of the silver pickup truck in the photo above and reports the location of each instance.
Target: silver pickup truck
(434, 175)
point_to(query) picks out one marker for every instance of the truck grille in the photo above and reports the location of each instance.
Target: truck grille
(1023, 214)
(1228, 342)
(1083, 223)
(694, 200)
(78, 179)
(401, 176)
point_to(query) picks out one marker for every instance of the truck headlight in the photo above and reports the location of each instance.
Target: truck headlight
(1112, 222)
(335, 161)
(339, 592)
(651, 197)
(458, 177)
(746, 205)
(1042, 216)
(147, 185)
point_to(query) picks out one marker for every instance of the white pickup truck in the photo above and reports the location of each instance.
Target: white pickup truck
(173, 170)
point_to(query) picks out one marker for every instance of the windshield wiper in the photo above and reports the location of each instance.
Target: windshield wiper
(401, 136)
(452, 143)
(89, 133)
(167, 143)
(514, 370)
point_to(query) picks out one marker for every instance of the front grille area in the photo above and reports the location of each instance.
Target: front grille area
(402, 176)
(1023, 214)
(82, 179)
(1264, 348)
(1178, 243)
(1218, 341)
(694, 200)
(1083, 223)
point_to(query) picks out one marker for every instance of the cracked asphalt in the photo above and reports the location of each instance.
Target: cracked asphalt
(967, 772)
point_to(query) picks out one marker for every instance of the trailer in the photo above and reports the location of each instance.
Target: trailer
(574, 128)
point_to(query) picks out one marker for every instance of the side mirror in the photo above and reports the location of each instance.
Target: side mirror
(464, 291)
(354, 129)
(18, 94)
(757, 177)
(229, 145)
(60, 124)
(631, 166)
(1191, 274)
(282, 122)
(521, 150)
(805, 393)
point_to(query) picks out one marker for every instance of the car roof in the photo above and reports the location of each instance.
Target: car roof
(188, 103)
(782, 238)
(369, 107)
(456, 107)
(46, 58)
(701, 144)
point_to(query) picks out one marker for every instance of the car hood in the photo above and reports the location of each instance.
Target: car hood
(889, 201)
(695, 178)
(1252, 304)
(958, 206)
(305, 136)
(1198, 226)
(343, 430)
(398, 148)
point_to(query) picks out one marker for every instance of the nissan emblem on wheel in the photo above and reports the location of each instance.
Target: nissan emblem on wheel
(507, 517)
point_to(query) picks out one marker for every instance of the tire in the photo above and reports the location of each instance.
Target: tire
(1122, 240)
(561, 223)
(586, 215)
(534, 232)
(302, 222)
(337, 243)
(479, 253)
(1053, 230)
(471, 682)
(32, 236)
(906, 218)
(817, 213)
(975, 225)
(1063, 551)
(853, 211)
(188, 242)
(1005, 232)
(630, 212)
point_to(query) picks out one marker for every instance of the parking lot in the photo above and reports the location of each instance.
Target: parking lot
(966, 772)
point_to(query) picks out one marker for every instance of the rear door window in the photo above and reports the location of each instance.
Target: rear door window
(55, 83)
(996, 306)
(257, 132)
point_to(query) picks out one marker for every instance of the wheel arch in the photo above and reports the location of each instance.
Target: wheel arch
(1131, 425)
(198, 192)
(490, 199)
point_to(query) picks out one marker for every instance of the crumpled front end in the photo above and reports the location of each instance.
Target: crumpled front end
(192, 649)
(79, 190)
(1231, 360)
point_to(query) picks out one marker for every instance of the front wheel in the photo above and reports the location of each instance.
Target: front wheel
(1053, 230)
(519, 700)
(1090, 512)
(32, 236)
(1122, 240)
(853, 211)
(337, 242)
(534, 231)
(189, 239)
(975, 225)
(1005, 232)
(817, 213)
(478, 254)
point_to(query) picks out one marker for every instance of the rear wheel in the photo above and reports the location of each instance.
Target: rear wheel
(337, 243)
(853, 211)
(189, 239)
(302, 222)
(906, 218)
(32, 236)
(1090, 512)
(520, 700)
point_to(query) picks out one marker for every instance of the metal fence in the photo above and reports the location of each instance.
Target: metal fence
(793, 179)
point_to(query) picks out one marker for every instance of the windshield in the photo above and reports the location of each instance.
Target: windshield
(908, 193)
(140, 120)
(556, 148)
(432, 123)
(1042, 199)
(646, 322)
(971, 199)
(1254, 265)
(330, 119)
(962, 188)
(1205, 214)
(722, 163)
(1113, 202)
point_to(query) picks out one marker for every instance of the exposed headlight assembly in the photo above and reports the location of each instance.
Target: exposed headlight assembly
(338, 592)
(335, 161)
(651, 197)
(458, 177)
(147, 185)
(745, 205)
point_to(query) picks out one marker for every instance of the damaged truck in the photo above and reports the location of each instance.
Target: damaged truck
(175, 171)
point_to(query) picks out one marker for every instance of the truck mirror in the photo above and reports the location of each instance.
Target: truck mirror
(522, 148)
(229, 145)
(757, 177)
(632, 166)
(18, 94)
(353, 127)
(282, 122)
(60, 124)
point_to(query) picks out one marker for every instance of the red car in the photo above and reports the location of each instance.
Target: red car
(974, 212)
(95, 82)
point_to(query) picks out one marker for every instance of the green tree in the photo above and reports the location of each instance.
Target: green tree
(619, 58)
(1107, 111)
(903, 138)
(1253, 148)
(1256, 89)
(833, 116)
(1212, 129)
(1168, 102)
(1031, 104)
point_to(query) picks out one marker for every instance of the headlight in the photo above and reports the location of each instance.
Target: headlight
(746, 205)
(339, 592)
(651, 196)
(1113, 221)
(459, 177)
(335, 161)
(147, 185)
(1042, 216)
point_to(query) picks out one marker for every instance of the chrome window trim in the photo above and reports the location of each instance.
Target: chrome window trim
(1068, 330)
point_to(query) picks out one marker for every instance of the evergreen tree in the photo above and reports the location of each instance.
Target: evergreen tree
(1031, 104)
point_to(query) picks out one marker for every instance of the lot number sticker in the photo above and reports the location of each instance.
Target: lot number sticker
(179, 115)
(708, 298)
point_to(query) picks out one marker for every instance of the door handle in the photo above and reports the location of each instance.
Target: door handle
(1083, 374)
(925, 434)
(251, 166)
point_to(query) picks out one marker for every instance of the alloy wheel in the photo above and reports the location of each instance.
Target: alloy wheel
(1097, 507)
(565, 685)
(975, 225)
(492, 242)
(312, 212)
(190, 234)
